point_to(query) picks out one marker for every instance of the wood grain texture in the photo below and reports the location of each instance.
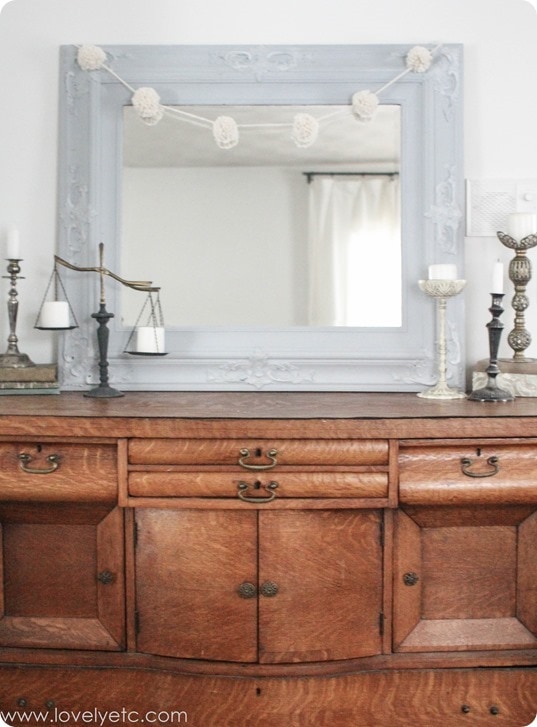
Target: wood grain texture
(472, 590)
(51, 559)
(189, 565)
(290, 484)
(85, 472)
(328, 569)
(435, 474)
(270, 414)
(424, 698)
(228, 452)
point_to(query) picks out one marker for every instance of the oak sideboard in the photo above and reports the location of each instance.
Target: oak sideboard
(274, 559)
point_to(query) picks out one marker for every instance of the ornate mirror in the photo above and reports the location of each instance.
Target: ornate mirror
(250, 300)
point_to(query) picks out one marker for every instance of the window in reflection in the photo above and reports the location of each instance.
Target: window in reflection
(355, 250)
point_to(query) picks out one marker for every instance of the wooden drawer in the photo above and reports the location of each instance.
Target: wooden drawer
(258, 454)
(468, 473)
(58, 472)
(288, 484)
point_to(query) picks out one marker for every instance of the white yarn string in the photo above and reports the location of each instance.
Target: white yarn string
(304, 127)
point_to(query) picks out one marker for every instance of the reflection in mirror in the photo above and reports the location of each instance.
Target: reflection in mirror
(266, 233)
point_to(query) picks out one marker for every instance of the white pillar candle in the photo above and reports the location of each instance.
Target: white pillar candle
(12, 249)
(149, 339)
(445, 271)
(521, 224)
(54, 314)
(497, 278)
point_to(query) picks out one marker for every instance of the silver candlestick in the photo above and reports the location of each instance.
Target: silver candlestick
(442, 290)
(13, 358)
(519, 338)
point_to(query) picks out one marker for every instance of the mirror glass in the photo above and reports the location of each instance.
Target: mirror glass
(266, 233)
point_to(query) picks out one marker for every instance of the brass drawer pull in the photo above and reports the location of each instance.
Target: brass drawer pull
(494, 463)
(243, 487)
(269, 589)
(25, 458)
(245, 453)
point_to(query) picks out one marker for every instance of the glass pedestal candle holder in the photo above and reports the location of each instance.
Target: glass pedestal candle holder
(441, 290)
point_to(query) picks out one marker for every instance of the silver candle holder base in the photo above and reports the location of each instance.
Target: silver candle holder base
(441, 290)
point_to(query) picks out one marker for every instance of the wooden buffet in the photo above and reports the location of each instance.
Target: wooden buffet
(331, 559)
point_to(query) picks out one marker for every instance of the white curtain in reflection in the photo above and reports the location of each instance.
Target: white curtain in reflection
(355, 250)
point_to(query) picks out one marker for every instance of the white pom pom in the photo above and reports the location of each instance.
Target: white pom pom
(90, 57)
(225, 132)
(146, 101)
(364, 105)
(305, 130)
(419, 59)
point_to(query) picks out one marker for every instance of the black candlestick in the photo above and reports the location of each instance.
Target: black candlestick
(104, 390)
(492, 392)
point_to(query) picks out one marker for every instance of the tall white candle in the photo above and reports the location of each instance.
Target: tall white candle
(54, 314)
(445, 271)
(497, 277)
(521, 224)
(149, 339)
(12, 248)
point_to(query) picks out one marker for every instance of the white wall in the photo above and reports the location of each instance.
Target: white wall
(500, 99)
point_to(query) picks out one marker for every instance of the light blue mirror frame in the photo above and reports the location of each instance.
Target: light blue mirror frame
(238, 358)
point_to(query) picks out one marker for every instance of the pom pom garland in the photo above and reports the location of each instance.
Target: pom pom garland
(90, 57)
(225, 132)
(305, 130)
(364, 105)
(146, 101)
(419, 59)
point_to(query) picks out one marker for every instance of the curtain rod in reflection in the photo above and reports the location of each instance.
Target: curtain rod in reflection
(309, 175)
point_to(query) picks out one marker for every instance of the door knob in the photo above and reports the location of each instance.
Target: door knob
(247, 590)
(269, 589)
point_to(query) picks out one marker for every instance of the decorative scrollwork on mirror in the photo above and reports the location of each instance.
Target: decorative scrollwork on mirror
(264, 357)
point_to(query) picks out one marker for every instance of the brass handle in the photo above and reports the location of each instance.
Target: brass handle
(25, 458)
(247, 590)
(494, 463)
(245, 453)
(242, 489)
(410, 579)
(269, 589)
(105, 577)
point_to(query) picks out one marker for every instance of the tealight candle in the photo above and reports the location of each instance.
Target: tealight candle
(54, 314)
(150, 339)
(521, 224)
(12, 248)
(497, 278)
(445, 271)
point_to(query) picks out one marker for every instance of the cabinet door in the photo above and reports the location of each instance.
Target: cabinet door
(62, 582)
(465, 578)
(190, 566)
(320, 585)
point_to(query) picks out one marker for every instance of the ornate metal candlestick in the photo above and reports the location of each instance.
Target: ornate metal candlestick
(13, 358)
(492, 392)
(442, 290)
(520, 275)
